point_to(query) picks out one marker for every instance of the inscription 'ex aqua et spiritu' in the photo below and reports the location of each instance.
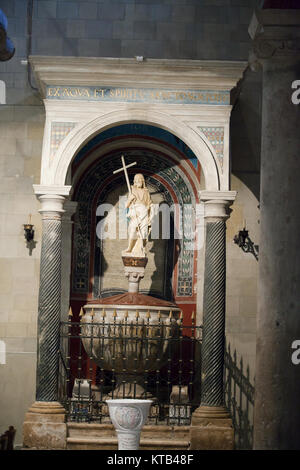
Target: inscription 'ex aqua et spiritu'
(93, 93)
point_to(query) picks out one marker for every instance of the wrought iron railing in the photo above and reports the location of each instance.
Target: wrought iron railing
(239, 399)
(174, 386)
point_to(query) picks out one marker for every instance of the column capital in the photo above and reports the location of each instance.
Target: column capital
(52, 200)
(275, 35)
(216, 204)
(51, 206)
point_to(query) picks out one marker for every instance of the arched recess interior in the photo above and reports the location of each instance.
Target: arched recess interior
(169, 166)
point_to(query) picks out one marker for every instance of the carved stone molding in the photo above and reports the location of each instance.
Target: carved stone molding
(275, 34)
(265, 49)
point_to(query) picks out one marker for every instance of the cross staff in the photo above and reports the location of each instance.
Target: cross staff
(124, 168)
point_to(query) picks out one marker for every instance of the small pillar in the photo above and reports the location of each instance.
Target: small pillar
(211, 427)
(134, 269)
(134, 276)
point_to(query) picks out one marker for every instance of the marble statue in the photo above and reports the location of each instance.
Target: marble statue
(140, 213)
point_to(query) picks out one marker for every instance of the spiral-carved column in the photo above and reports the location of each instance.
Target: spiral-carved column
(49, 302)
(44, 425)
(213, 315)
(211, 425)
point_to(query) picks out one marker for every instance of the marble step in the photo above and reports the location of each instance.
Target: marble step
(111, 443)
(84, 436)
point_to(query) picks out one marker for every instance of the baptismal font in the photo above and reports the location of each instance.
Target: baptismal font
(128, 334)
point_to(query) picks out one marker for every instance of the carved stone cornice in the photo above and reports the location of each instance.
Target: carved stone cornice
(275, 34)
(153, 73)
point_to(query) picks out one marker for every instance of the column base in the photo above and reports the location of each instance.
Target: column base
(211, 429)
(44, 426)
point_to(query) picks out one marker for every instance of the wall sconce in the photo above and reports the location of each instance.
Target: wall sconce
(243, 240)
(28, 230)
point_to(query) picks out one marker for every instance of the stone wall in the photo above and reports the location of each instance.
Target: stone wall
(242, 273)
(171, 29)
(21, 129)
(242, 268)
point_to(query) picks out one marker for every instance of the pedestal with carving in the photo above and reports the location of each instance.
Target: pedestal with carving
(128, 417)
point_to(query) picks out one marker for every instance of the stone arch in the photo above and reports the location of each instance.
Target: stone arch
(74, 141)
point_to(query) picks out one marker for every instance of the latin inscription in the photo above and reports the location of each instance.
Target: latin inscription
(138, 95)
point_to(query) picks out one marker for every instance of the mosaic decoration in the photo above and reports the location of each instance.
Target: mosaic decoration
(59, 130)
(215, 135)
(153, 165)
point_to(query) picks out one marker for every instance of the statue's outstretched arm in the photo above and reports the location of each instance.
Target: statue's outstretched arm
(131, 198)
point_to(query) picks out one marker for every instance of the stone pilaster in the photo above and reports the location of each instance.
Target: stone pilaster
(211, 425)
(276, 48)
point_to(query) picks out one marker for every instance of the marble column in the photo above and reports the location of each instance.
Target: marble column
(276, 48)
(211, 424)
(49, 298)
(44, 425)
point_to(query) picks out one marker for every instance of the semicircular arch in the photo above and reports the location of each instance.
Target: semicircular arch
(73, 143)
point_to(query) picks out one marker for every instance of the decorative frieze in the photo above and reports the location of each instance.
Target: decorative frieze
(138, 95)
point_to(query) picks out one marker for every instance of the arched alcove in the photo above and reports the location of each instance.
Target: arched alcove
(172, 173)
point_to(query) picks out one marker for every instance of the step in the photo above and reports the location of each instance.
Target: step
(93, 436)
(90, 430)
(107, 430)
(105, 443)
